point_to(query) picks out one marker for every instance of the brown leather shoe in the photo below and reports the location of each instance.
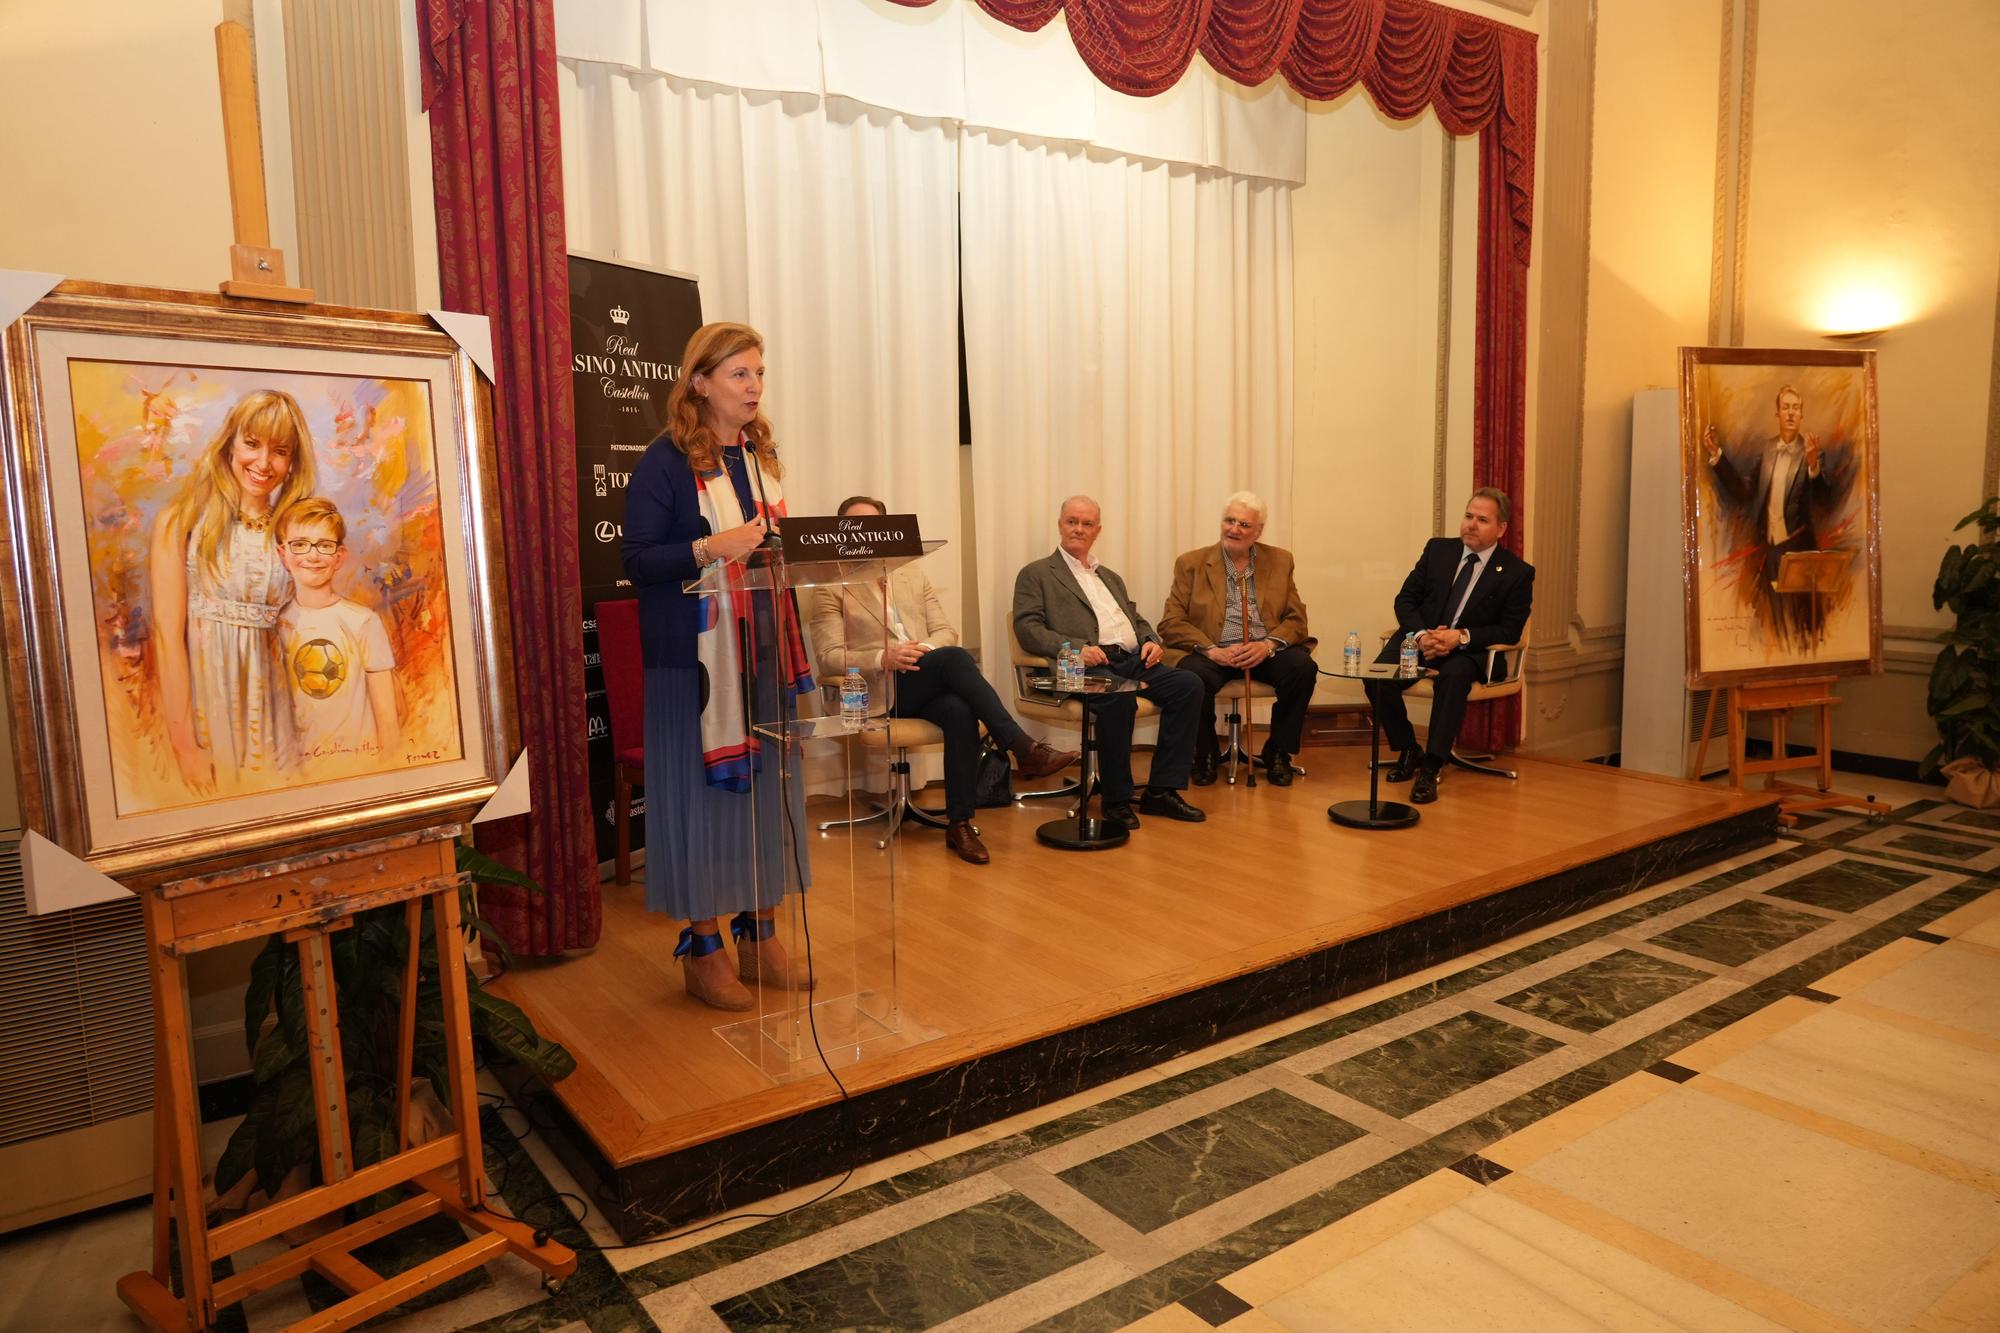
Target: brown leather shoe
(963, 839)
(1038, 760)
(767, 961)
(708, 980)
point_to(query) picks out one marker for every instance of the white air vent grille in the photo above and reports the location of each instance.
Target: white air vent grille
(76, 1036)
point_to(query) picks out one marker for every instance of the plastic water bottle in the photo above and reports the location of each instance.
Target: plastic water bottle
(1350, 652)
(1406, 661)
(1066, 661)
(853, 699)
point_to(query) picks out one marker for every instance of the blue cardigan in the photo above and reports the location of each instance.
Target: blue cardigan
(663, 519)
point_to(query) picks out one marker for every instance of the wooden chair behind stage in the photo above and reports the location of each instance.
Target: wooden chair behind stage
(625, 691)
(1510, 682)
(1064, 711)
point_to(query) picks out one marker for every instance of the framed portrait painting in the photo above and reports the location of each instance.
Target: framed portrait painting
(250, 569)
(1781, 517)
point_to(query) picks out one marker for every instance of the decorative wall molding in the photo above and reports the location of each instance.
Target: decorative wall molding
(1565, 309)
(1990, 482)
(1718, 240)
(1441, 400)
(1740, 238)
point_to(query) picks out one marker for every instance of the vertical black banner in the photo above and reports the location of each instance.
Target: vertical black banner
(628, 327)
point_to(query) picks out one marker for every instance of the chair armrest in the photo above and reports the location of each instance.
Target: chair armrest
(1515, 663)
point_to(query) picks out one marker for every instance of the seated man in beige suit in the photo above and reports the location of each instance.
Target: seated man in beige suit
(1214, 587)
(935, 680)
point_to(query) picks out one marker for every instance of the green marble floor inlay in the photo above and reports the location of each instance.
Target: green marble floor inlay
(933, 1272)
(1440, 1061)
(1978, 819)
(1184, 1169)
(1846, 886)
(1738, 933)
(1930, 844)
(1601, 992)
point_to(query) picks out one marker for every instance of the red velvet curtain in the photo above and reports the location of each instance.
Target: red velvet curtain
(496, 166)
(1478, 75)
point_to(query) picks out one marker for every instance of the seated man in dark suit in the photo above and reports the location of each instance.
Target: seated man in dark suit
(1071, 597)
(1463, 597)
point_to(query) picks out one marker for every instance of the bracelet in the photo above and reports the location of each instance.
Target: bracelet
(701, 550)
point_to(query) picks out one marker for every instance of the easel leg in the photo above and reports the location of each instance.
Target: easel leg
(1735, 740)
(406, 1040)
(329, 1076)
(173, 1089)
(458, 1041)
(163, 1170)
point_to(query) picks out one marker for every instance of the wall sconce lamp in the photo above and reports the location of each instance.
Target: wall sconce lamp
(1861, 314)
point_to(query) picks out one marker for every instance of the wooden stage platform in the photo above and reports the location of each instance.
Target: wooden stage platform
(1045, 972)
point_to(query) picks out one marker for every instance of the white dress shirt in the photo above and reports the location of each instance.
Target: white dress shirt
(1113, 625)
(1785, 462)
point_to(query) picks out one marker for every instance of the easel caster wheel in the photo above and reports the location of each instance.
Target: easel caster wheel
(552, 1284)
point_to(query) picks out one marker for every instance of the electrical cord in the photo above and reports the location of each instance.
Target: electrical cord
(500, 1105)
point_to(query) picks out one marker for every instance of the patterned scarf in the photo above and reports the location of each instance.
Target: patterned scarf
(732, 756)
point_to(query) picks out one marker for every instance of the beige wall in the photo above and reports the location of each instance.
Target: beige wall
(113, 156)
(1873, 161)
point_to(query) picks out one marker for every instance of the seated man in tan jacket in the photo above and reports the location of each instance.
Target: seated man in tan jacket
(936, 680)
(1213, 587)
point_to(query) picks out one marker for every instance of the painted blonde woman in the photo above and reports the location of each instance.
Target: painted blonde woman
(218, 585)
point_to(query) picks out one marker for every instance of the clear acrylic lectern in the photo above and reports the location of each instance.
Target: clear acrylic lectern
(835, 892)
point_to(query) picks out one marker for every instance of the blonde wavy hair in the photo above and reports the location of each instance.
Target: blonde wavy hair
(212, 499)
(711, 345)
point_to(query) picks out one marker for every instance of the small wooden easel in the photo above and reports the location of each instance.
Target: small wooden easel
(1780, 699)
(306, 899)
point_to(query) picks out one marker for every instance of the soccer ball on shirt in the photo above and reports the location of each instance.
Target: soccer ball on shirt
(319, 668)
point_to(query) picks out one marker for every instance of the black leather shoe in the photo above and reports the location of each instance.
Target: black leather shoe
(1425, 789)
(1122, 813)
(1278, 770)
(1406, 765)
(1166, 801)
(1203, 772)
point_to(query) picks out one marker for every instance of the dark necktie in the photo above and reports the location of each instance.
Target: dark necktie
(1460, 584)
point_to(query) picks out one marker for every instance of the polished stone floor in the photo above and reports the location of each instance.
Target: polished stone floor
(1763, 1096)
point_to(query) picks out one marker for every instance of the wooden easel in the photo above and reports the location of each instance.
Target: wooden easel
(256, 267)
(1780, 699)
(306, 899)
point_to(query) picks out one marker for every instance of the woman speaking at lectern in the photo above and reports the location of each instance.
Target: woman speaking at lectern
(700, 502)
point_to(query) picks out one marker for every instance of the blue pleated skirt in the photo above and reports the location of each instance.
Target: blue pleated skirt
(706, 852)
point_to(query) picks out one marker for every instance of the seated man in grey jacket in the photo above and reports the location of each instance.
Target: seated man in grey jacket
(1070, 596)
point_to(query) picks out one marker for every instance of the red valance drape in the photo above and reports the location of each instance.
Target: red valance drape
(1478, 75)
(489, 83)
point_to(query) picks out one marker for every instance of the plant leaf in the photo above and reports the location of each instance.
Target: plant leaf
(275, 1053)
(263, 988)
(508, 1028)
(485, 869)
(1977, 701)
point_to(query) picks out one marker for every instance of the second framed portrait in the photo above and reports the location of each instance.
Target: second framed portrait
(252, 560)
(1781, 526)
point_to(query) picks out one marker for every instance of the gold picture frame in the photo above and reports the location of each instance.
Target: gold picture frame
(153, 442)
(1780, 514)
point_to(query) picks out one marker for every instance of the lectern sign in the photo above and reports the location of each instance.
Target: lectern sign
(854, 537)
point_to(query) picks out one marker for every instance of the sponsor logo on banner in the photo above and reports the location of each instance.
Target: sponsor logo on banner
(611, 811)
(628, 327)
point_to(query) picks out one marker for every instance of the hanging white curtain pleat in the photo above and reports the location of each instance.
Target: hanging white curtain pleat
(1128, 333)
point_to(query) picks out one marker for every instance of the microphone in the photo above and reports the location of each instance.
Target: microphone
(772, 541)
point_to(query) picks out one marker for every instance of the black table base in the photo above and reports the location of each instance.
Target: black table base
(1373, 812)
(1083, 832)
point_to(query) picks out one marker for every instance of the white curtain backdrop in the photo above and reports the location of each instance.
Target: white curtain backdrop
(1128, 329)
(828, 226)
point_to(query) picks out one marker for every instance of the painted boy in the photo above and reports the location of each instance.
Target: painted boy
(336, 652)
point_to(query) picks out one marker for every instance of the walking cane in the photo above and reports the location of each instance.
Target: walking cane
(1249, 709)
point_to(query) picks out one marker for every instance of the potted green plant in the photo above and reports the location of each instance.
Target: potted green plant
(1964, 697)
(274, 1151)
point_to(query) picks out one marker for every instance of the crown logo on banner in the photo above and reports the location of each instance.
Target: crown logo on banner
(620, 315)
